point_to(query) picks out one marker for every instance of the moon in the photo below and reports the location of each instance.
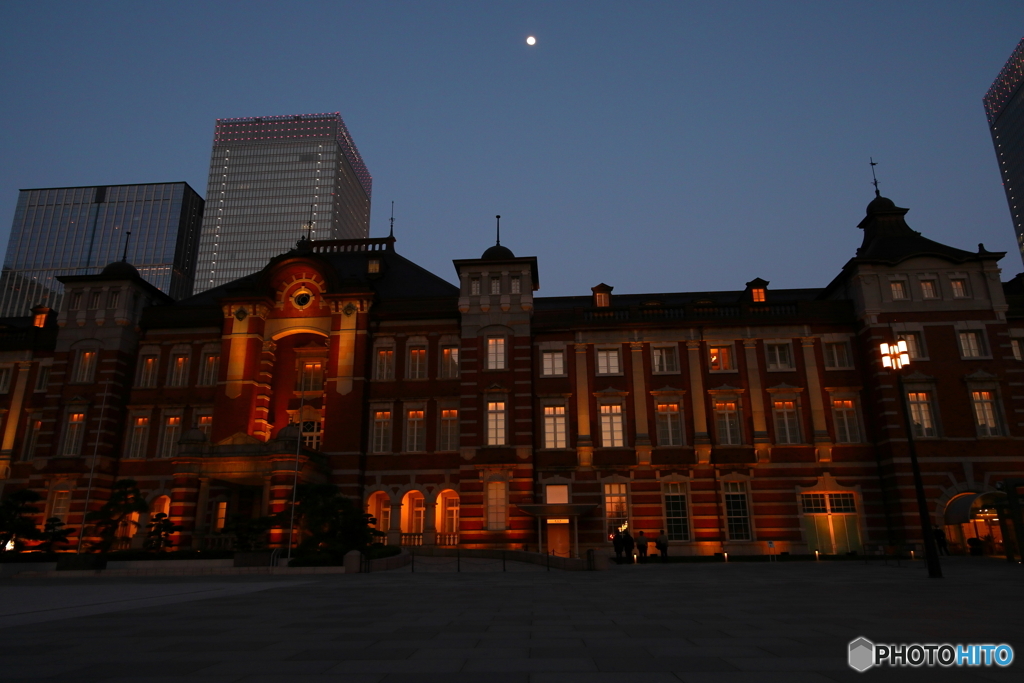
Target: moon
(531, 40)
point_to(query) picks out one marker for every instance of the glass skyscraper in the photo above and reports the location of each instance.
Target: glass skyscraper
(1004, 106)
(79, 230)
(271, 175)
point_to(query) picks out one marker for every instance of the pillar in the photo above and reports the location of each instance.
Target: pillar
(761, 440)
(822, 441)
(701, 439)
(643, 437)
(584, 442)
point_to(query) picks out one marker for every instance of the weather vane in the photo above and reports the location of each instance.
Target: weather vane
(309, 225)
(392, 233)
(874, 180)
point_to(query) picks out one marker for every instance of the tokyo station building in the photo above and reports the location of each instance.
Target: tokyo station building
(484, 416)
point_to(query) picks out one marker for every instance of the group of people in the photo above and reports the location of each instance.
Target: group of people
(624, 543)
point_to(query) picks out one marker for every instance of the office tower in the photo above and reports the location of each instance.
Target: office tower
(271, 175)
(79, 230)
(1004, 106)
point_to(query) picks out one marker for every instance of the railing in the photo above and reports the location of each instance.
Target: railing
(342, 246)
(830, 310)
(412, 539)
(447, 539)
(219, 542)
(123, 543)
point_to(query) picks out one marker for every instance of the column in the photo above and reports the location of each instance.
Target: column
(701, 441)
(822, 442)
(430, 522)
(643, 438)
(761, 440)
(280, 491)
(183, 506)
(395, 532)
(14, 416)
(584, 443)
(201, 505)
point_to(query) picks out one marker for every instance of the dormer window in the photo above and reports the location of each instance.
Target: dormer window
(757, 294)
(757, 290)
(601, 300)
(373, 266)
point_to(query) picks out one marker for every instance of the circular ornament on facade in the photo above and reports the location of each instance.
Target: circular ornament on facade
(302, 298)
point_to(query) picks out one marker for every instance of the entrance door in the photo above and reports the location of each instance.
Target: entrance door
(558, 539)
(830, 523)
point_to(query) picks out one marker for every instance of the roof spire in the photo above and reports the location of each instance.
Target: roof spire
(498, 218)
(392, 233)
(127, 238)
(874, 180)
(309, 224)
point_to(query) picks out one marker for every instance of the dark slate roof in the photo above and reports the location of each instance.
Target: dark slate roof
(552, 303)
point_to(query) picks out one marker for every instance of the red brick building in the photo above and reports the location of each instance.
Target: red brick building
(484, 416)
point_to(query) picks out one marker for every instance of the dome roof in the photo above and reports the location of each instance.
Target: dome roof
(120, 269)
(497, 253)
(880, 203)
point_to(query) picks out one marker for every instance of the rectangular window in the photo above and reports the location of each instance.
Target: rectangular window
(516, 284)
(899, 290)
(205, 424)
(787, 422)
(172, 433)
(448, 439)
(728, 420)
(737, 514)
(138, 438)
(449, 362)
(210, 370)
(60, 505)
(959, 287)
(847, 427)
(312, 434)
(496, 423)
(757, 295)
(670, 431)
(663, 359)
(842, 502)
(556, 494)
(373, 266)
(415, 431)
(385, 365)
(94, 300)
(1016, 347)
(929, 289)
(495, 353)
(837, 355)
(602, 300)
(915, 347)
(921, 413)
(778, 356)
(495, 285)
(113, 299)
(985, 413)
(970, 344)
(179, 371)
(615, 508)
(34, 427)
(676, 519)
(311, 376)
(814, 503)
(381, 431)
(417, 363)
(147, 372)
(474, 286)
(43, 378)
(497, 505)
(76, 301)
(611, 426)
(451, 515)
(220, 515)
(554, 427)
(86, 366)
(552, 363)
(75, 434)
(608, 362)
(720, 358)
(5, 380)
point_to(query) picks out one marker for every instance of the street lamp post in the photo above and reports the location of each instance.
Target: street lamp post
(897, 356)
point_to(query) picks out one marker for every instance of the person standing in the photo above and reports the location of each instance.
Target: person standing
(940, 541)
(661, 543)
(627, 546)
(641, 547)
(618, 545)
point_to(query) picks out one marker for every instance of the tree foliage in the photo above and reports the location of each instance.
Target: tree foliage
(159, 531)
(329, 522)
(53, 534)
(125, 499)
(250, 532)
(16, 525)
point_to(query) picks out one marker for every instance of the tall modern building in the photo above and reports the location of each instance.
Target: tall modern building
(1004, 106)
(79, 230)
(269, 177)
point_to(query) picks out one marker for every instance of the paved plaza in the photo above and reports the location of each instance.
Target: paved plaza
(700, 623)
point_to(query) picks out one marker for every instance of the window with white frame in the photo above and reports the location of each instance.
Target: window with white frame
(417, 368)
(450, 509)
(311, 376)
(384, 364)
(554, 427)
(611, 426)
(381, 441)
(616, 510)
(147, 371)
(985, 416)
(496, 353)
(312, 433)
(5, 380)
(844, 412)
(602, 299)
(60, 504)
(778, 355)
(664, 360)
(837, 355)
(720, 358)
(921, 415)
(86, 370)
(959, 287)
(497, 505)
(727, 419)
(929, 289)
(171, 436)
(449, 362)
(94, 300)
(608, 362)
(474, 286)
(915, 344)
(670, 427)
(209, 370)
(34, 428)
(178, 372)
(415, 430)
(75, 301)
(43, 378)
(677, 521)
(787, 421)
(448, 435)
(971, 344)
(113, 298)
(495, 285)
(737, 511)
(552, 363)
(496, 423)
(515, 284)
(898, 288)
(138, 438)
(74, 434)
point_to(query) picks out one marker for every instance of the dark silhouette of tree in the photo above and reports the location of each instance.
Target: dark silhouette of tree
(250, 532)
(16, 525)
(328, 522)
(125, 499)
(53, 534)
(158, 532)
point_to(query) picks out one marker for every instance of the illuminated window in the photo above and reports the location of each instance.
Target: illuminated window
(496, 423)
(178, 376)
(552, 363)
(60, 504)
(384, 368)
(663, 359)
(147, 372)
(757, 294)
(497, 505)
(959, 287)
(311, 376)
(495, 285)
(495, 353)
(616, 512)
(611, 426)
(205, 425)
(970, 344)
(929, 289)
(474, 286)
(787, 422)
(985, 413)
(554, 427)
(737, 513)
(417, 363)
(113, 299)
(720, 358)
(602, 300)
(210, 369)
(449, 362)
(448, 438)
(415, 431)
(779, 356)
(844, 411)
(75, 434)
(515, 284)
(39, 320)
(608, 362)
(171, 436)
(830, 522)
(556, 494)
(43, 378)
(915, 347)
(450, 507)
(898, 289)
(381, 431)
(677, 521)
(1017, 348)
(373, 266)
(921, 413)
(727, 418)
(138, 438)
(220, 515)
(312, 434)
(5, 380)
(86, 366)
(670, 431)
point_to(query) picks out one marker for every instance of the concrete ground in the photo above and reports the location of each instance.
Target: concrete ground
(700, 623)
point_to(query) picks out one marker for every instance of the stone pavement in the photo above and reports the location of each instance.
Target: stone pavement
(699, 623)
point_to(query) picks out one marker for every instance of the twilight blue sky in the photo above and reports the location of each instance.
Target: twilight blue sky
(655, 146)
